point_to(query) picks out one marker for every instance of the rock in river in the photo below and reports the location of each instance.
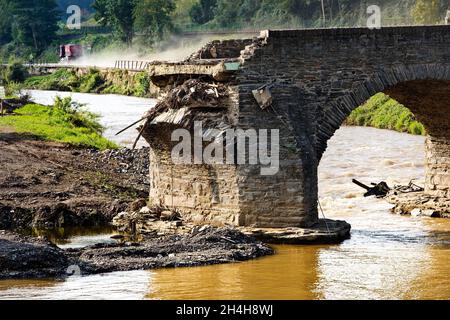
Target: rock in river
(27, 257)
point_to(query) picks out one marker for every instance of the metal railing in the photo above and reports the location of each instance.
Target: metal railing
(133, 65)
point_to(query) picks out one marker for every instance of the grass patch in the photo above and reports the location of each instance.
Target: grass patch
(61, 80)
(64, 122)
(383, 112)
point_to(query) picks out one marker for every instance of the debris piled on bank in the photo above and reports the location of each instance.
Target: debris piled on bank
(419, 204)
(9, 105)
(409, 199)
(149, 222)
(131, 162)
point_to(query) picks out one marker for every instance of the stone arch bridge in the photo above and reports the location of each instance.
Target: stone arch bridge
(315, 79)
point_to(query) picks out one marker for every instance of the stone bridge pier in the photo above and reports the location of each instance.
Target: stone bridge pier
(316, 79)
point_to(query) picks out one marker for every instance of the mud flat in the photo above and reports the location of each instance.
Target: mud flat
(26, 257)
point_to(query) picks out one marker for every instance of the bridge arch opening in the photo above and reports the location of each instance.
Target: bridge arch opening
(427, 97)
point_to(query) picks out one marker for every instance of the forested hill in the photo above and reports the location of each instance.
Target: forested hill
(145, 23)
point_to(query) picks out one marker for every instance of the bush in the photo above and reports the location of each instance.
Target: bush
(385, 113)
(15, 72)
(91, 82)
(73, 113)
(61, 80)
(14, 89)
(142, 84)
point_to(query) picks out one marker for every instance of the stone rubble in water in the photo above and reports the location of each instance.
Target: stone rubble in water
(420, 204)
(142, 221)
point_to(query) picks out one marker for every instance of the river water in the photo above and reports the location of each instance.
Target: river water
(116, 112)
(387, 257)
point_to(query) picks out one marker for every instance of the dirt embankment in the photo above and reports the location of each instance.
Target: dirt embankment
(47, 184)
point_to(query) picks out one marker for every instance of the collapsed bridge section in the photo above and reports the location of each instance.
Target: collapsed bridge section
(205, 89)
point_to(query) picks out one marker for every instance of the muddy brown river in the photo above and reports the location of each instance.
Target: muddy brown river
(387, 257)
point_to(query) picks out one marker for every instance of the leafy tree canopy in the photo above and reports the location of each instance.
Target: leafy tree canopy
(33, 22)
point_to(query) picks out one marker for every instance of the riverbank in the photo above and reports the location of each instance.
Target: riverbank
(93, 80)
(419, 204)
(47, 185)
(50, 184)
(38, 258)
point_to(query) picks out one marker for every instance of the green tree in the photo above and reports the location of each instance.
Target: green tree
(153, 19)
(5, 21)
(34, 22)
(203, 11)
(227, 13)
(119, 14)
(15, 72)
(426, 11)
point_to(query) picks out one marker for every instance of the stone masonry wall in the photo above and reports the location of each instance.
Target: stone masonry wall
(438, 166)
(317, 78)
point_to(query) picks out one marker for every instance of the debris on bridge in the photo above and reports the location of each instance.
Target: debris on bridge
(263, 96)
(193, 94)
(179, 106)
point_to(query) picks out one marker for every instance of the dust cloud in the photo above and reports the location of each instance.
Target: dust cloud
(177, 48)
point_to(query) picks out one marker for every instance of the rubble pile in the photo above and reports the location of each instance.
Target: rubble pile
(148, 222)
(133, 162)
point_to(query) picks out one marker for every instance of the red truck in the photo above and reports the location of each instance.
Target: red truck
(70, 52)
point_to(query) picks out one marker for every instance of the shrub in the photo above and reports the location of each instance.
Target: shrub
(91, 82)
(142, 84)
(15, 72)
(385, 113)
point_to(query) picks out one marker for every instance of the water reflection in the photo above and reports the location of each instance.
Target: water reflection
(75, 237)
(292, 272)
(112, 286)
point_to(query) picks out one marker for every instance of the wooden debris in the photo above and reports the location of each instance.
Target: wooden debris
(193, 93)
(379, 190)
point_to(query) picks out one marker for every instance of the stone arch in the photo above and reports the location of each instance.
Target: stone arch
(384, 80)
(414, 87)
